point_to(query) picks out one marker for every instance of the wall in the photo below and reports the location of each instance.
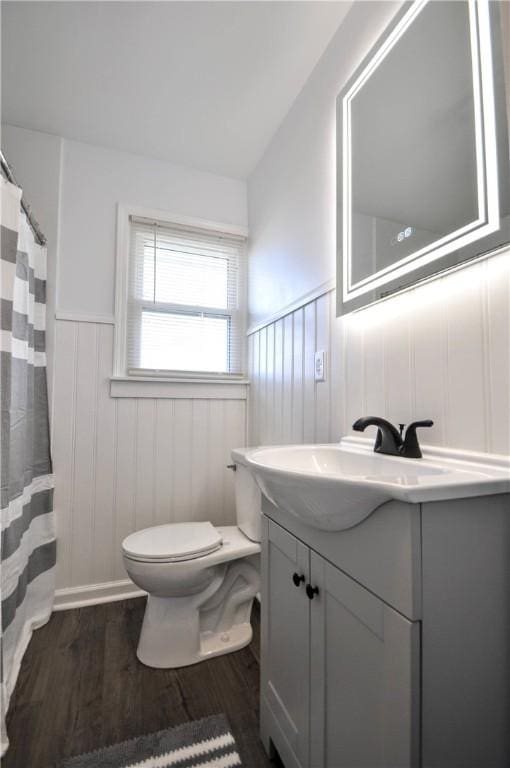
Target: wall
(127, 463)
(122, 463)
(286, 404)
(94, 180)
(291, 193)
(439, 351)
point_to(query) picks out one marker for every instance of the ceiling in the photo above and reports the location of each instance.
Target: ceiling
(202, 84)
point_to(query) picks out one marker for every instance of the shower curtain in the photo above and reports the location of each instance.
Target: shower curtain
(28, 549)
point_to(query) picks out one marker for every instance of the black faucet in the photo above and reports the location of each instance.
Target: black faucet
(389, 440)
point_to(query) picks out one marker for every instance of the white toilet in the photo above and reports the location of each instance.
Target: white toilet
(201, 582)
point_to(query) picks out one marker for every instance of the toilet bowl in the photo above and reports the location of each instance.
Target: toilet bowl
(200, 580)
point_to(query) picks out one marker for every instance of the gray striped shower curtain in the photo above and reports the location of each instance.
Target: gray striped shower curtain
(28, 549)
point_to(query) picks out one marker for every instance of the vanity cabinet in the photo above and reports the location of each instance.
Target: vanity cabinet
(364, 663)
(286, 639)
(401, 658)
(339, 666)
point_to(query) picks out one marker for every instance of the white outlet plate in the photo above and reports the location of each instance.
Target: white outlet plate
(320, 365)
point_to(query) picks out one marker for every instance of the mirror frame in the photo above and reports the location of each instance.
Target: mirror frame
(479, 238)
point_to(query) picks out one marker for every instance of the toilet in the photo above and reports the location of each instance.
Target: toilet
(200, 580)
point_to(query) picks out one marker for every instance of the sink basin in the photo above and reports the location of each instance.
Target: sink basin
(334, 487)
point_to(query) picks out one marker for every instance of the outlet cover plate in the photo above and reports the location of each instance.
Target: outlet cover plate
(320, 365)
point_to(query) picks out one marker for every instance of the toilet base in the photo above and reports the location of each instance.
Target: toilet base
(211, 644)
(217, 643)
(180, 631)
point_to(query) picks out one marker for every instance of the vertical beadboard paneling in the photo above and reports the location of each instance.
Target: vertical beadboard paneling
(262, 388)
(63, 443)
(124, 464)
(353, 361)
(335, 370)
(182, 458)
(270, 384)
(255, 392)
(374, 400)
(298, 377)
(250, 355)
(277, 434)
(234, 427)
(322, 389)
(164, 461)
(198, 472)
(287, 376)
(440, 351)
(498, 353)
(429, 333)
(309, 402)
(214, 463)
(466, 404)
(84, 454)
(145, 466)
(397, 360)
(106, 446)
(125, 478)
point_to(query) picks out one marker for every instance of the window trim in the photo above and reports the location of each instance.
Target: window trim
(120, 368)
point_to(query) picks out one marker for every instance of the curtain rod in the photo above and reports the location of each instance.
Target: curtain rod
(34, 225)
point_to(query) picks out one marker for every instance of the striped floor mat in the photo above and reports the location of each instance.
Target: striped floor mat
(206, 743)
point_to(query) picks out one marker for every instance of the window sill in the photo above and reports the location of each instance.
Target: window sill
(179, 389)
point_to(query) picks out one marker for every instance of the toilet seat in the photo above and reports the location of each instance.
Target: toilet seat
(172, 543)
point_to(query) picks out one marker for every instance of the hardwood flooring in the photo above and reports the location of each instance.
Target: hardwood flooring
(81, 687)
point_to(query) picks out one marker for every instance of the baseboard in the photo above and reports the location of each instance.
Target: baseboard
(95, 594)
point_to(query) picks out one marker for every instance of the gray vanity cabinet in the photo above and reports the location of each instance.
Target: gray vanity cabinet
(402, 657)
(286, 640)
(364, 670)
(339, 667)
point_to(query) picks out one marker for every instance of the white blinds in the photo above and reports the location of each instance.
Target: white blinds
(185, 295)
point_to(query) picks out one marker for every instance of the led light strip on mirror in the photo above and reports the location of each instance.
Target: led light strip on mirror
(488, 220)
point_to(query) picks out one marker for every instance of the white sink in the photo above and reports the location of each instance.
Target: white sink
(333, 487)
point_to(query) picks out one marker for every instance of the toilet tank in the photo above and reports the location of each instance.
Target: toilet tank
(248, 502)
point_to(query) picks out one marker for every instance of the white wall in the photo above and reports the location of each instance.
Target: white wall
(286, 404)
(127, 463)
(94, 180)
(120, 463)
(439, 351)
(292, 192)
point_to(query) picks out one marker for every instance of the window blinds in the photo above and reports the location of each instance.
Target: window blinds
(185, 296)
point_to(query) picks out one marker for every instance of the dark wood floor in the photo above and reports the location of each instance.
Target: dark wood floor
(81, 687)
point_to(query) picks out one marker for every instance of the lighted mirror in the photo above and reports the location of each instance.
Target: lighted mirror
(422, 146)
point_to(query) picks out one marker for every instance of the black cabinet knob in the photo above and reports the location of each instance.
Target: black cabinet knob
(311, 591)
(297, 579)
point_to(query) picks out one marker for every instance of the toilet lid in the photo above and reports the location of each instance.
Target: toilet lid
(174, 542)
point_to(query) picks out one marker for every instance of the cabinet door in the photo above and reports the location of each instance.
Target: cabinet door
(285, 651)
(365, 677)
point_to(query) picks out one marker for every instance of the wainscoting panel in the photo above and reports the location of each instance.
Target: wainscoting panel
(440, 351)
(123, 463)
(287, 405)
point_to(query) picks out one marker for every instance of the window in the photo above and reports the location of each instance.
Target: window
(185, 289)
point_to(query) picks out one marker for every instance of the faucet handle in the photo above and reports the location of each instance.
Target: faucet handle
(424, 423)
(411, 448)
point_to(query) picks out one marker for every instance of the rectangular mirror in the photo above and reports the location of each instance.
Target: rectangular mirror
(423, 178)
